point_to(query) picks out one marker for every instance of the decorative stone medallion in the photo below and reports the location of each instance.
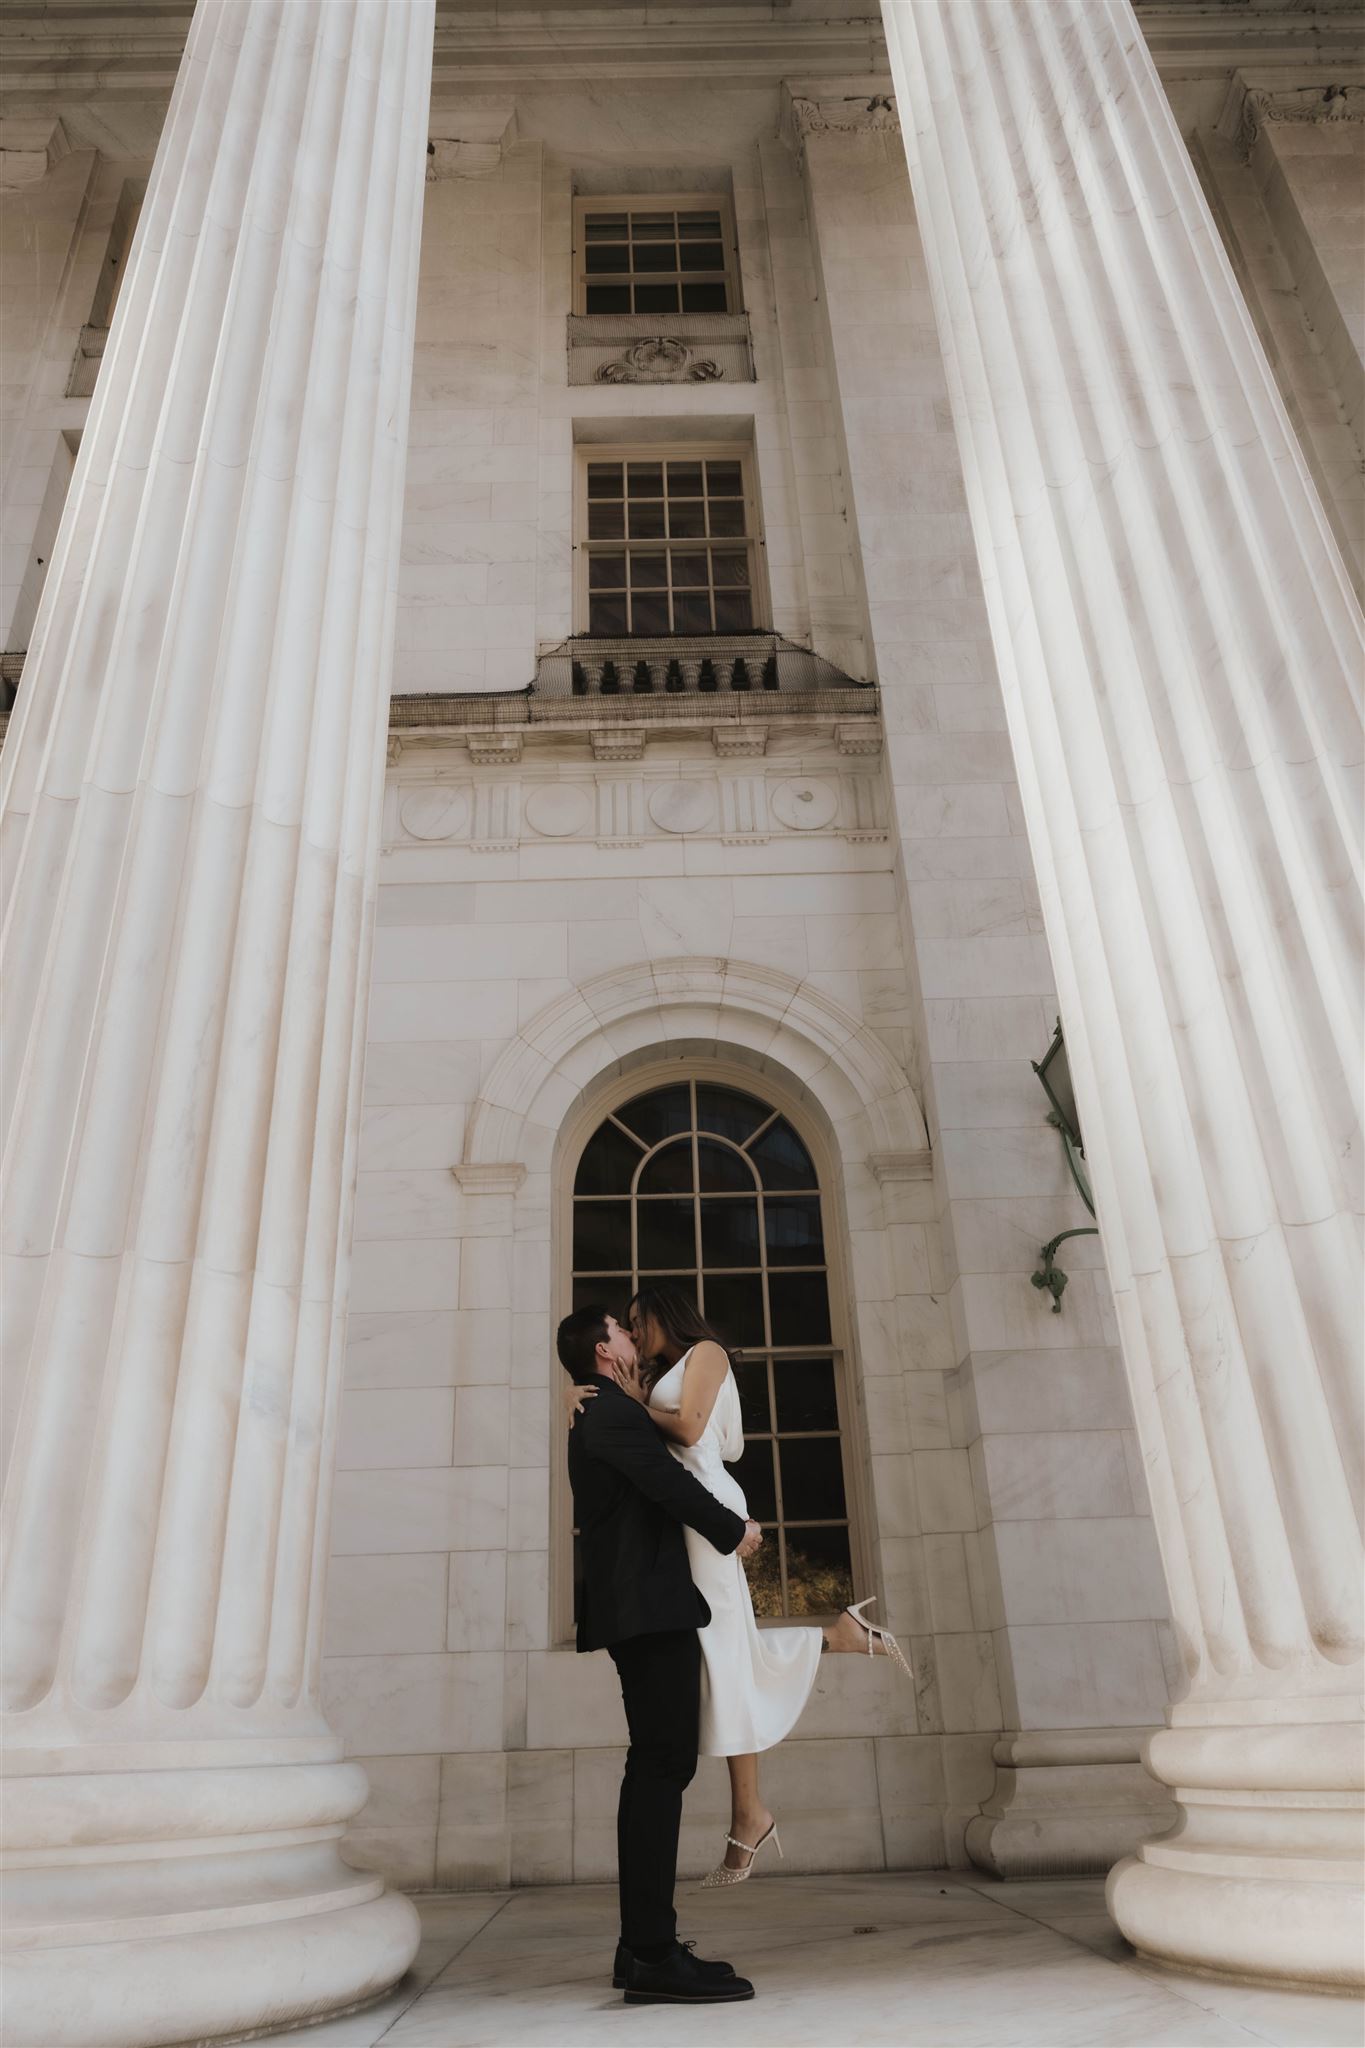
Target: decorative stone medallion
(435, 810)
(804, 806)
(682, 806)
(558, 809)
(659, 359)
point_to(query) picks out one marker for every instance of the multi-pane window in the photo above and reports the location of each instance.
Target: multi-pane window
(668, 254)
(669, 542)
(712, 1191)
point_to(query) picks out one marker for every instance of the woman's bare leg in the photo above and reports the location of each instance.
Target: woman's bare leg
(749, 1817)
(844, 1637)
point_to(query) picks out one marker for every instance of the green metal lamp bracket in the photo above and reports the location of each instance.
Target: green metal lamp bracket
(1050, 1274)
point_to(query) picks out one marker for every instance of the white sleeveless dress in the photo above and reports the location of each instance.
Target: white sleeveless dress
(754, 1682)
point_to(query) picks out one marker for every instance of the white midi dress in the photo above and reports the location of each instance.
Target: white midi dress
(754, 1682)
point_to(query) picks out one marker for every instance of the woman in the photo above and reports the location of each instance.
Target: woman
(754, 1681)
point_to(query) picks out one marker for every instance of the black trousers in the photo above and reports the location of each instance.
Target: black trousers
(661, 1686)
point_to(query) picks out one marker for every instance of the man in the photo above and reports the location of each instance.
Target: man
(631, 1500)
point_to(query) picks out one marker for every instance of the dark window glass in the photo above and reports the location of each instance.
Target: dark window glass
(656, 298)
(734, 1303)
(805, 1393)
(703, 296)
(812, 1478)
(734, 611)
(654, 256)
(792, 1223)
(698, 226)
(647, 520)
(819, 1571)
(606, 521)
(755, 1474)
(727, 516)
(609, 1159)
(729, 1233)
(681, 1283)
(728, 569)
(800, 1308)
(660, 1114)
(645, 227)
(730, 1114)
(669, 1172)
(689, 571)
(691, 614)
(604, 480)
(604, 227)
(684, 480)
(702, 256)
(645, 479)
(648, 572)
(649, 614)
(725, 479)
(612, 298)
(782, 1160)
(606, 572)
(607, 615)
(751, 1377)
(666, 1233)
(720, 1167)
(601, 1236)
(687, 519)
(609, 256)
(608, 1290)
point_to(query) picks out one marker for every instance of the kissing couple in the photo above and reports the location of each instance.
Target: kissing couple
(663, 1528)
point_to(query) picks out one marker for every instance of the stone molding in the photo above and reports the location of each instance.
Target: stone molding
(658, 359)
(490, 749)
(743, 796)
(565, 1046)
(1067, 1802)
(30, 146)
(850, 114)
(468, 142)
(1249, 107)
(890, 1167)
(490, 1176)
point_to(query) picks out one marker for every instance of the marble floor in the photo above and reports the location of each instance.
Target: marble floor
(917, 1959)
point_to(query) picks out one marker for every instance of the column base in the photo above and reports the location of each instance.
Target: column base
(155, 1908)
(1261, 1879)
(238, 1983)
(1067, 1802)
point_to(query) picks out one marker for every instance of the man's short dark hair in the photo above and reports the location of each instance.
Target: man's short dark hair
(577, 1339)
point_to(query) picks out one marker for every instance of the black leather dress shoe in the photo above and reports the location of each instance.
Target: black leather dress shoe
(713, 1972)
(680, 1980)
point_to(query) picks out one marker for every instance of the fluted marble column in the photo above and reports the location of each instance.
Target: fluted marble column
(192, 801)
(1180, 655)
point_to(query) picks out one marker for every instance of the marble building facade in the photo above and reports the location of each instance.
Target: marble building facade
(334, 1102)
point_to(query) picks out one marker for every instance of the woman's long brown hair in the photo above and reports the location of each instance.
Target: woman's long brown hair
(679, 1319)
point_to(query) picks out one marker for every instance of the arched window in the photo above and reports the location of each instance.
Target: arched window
(712, 1191)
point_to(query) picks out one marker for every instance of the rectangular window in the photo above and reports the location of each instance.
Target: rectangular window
(655, 253)
(668, 542)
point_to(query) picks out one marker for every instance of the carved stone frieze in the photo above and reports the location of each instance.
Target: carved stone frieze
(660, 359)
(487, 749)
(853, 114)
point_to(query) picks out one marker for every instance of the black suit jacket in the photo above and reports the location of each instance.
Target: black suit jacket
(631, 1499)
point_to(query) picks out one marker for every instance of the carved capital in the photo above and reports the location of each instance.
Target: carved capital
(1249, 108)
(863, 113)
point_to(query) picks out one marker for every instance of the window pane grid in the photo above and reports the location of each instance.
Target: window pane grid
(722, 1251)
(655, 260)
(669, 548)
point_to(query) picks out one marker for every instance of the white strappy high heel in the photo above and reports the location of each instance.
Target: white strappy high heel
(723, 1874)
(877, 1635)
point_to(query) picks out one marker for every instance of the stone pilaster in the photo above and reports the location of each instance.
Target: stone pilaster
(1178, 646)
(193, 794)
